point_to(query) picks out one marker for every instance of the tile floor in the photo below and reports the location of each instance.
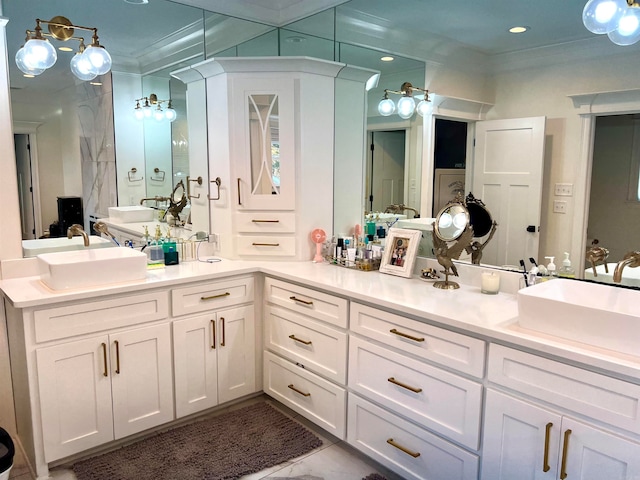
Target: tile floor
(334, 460)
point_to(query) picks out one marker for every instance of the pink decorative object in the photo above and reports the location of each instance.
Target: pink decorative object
(318, 236)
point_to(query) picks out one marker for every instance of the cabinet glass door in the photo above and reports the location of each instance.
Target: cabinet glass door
(264, 134)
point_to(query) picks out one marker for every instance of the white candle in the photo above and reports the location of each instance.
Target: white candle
(490, 283)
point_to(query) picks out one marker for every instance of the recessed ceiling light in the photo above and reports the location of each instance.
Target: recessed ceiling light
(519, 29)
(137, 2)
(387, 59)
(97, 84)
(28, 75)
(295, 39)
(65, 49)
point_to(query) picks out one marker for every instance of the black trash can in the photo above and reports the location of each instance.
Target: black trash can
(7, 450)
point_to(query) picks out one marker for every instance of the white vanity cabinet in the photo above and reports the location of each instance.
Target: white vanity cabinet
(305, 358)
(422, 410)
(214, 352)
(545, 440)
(103, 388)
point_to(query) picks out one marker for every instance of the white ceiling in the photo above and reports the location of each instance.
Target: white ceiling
(470, 35)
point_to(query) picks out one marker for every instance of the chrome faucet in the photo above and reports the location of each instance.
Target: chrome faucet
(631, 259)
(597, 254)
(76, 229)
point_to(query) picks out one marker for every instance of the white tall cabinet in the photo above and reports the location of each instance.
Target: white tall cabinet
(271, 143)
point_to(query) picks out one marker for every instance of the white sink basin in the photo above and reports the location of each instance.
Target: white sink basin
(132, 214)
(91, 268)
(32, 248)
(630, 276)
(598, 315)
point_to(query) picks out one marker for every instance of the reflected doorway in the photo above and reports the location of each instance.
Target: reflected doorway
(386, 169)
(24, 168)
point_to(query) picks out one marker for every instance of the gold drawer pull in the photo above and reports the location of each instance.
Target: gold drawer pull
(295, 299)
(565, 449)
(265, 244)
(211, 297)
(104, 358)
(406, 335)
(403, 385)
(298, 391)
(265, 221)
(392, 442)
(293, 337)
(545, 462)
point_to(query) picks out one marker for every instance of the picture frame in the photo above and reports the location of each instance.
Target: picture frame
(401, 248)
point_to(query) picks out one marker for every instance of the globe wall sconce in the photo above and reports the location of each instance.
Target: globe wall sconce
(38, 54)
(406, 104)
(152, 108)
(619, 19)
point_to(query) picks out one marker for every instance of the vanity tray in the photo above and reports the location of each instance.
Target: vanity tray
(366, 265)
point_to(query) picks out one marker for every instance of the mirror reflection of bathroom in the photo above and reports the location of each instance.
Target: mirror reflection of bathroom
(613, 228)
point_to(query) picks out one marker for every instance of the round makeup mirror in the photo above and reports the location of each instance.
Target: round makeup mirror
(451, 222)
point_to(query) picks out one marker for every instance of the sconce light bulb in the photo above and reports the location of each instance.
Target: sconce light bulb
(39, 54)
(445, 220)
(386, 107)
(138, 112)
(24, 68)
(406, 107)
(602, 16)
(158, 114)
(170, 114)
(81, 68)
(424, 108)
(628, 31)
(99, 58)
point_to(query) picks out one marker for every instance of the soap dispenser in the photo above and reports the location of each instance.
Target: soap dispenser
(551, 268)
(566, 271)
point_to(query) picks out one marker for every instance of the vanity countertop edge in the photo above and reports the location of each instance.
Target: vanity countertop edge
(492, 318)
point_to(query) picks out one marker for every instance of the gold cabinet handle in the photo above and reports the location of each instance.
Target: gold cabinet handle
(265, 221)
(299, 391)
(393, 443)
(104, 359)
(406, 335)
(256, 244)
(565, 449)
(223, 336)
(211, 297)
(545, 462)
(213, 334)
(296, 299)
(305, 342)
(218, 182)
(239, 200)
(404, 385)
(117, 357)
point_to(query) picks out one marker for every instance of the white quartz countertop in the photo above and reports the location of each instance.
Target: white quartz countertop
(466, 310)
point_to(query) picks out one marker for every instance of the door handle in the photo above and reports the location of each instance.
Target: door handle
(104, 358)
(213, 334)
(565, 449)
(531, 228)
(117, 356)
(223, 335)
(545, 462)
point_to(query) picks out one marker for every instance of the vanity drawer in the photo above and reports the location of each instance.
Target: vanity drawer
(318, 347)
(90, 317)
(311, 303)
(383, 436)
(318, 400)
(210, 296)
(613, 401)
(438, 345)
(269, 246)
(265, 222)
(438, 400)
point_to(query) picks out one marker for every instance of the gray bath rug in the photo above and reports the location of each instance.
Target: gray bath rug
(228, 446)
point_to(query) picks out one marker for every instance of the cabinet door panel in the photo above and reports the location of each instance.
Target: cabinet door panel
(195, 364)
(596, 455)
(236, 353)
(514, 440)
(75, 397)
(143, 383)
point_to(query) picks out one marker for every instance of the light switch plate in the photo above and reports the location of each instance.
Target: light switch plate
(559, 206)
(564, 189)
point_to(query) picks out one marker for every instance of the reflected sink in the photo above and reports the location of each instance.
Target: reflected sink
(594, 314)
(91, 268)
(132, 214)
(32, 248)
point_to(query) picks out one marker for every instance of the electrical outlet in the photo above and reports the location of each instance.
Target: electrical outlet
(213, 238)
(559, 206)
(564, 189)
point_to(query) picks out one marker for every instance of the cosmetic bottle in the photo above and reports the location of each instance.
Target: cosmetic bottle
(551, 268)
(171, 257)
